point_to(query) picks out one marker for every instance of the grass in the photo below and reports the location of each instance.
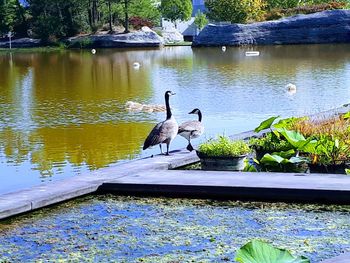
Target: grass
(185, 43)
(28, 50)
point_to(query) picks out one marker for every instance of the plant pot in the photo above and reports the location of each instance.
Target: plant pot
(329, 169)
(222, 163)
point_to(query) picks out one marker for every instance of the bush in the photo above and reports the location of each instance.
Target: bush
(138, 22)
(235, 11)
(288, 8)
(224, 146)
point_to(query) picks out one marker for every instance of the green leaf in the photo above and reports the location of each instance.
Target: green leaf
(266, 124)
(347, 171)
(257, 251)
(271, 159)
(285, 154)
(346, 115)
(297, 140)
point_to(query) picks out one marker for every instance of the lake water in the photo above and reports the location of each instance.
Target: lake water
(62, 113)
(127, 229)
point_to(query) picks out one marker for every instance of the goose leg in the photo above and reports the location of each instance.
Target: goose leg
(189, 146)
(160, 146)
(167, 149)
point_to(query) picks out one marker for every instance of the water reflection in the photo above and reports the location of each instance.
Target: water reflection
(62, 113)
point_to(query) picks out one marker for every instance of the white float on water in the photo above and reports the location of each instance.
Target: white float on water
(223, 48)
(93, 51)
(291, 88)
(136, 65)
(252, 53)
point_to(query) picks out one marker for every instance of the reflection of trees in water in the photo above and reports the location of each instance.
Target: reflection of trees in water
(93, 145)
(75, 106)
(274, 61)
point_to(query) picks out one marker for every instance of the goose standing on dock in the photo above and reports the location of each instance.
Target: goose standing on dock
(165, 131)
(192, 129)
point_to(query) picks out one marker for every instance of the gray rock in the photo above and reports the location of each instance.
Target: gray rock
(143, 38)
(21, 43)
(172, 36)
(324, 27)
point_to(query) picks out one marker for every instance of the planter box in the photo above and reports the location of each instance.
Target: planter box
(221, 163)
(329, 169)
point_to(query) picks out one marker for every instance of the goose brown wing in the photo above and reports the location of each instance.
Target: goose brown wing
(155, 136)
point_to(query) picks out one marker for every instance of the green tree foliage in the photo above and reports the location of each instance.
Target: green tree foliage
(175, 10)
(200, 20)
(147, 9)
(235, 11)
(58, 18)
(12, 17)
(283, 4)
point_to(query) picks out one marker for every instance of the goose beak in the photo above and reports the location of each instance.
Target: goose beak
(190, 112)
(173, 93)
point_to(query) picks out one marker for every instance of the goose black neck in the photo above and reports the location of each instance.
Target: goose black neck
(168, 111)
(199, 116)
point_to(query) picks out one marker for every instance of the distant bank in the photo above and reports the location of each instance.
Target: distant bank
(330, 26)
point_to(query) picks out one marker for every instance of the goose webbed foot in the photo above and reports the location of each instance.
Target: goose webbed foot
(190, 147)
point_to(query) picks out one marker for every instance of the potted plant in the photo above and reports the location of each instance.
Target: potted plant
(267, 144)
(330, 155)
(223, 154)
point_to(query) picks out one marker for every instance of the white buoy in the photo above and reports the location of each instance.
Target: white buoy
(291, 88)
(223, 48)
(252, 53)
(93, 51)
(136, 65)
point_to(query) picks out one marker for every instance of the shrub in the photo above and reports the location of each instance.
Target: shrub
(138, 22)
(224, 146)
(270, 143)
(235, 11)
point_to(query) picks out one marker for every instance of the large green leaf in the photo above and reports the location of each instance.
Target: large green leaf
(297, 140)
(271, 159)
(257, 251)
(266, 124)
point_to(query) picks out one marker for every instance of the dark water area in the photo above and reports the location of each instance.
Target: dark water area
(63, 113)
(126, 229)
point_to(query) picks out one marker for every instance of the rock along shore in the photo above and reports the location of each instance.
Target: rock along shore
(143, 38)
(319, 28)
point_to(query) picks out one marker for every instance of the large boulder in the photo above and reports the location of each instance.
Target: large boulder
(323, 27)
(21, 43)
(172, 36)
(142, 38)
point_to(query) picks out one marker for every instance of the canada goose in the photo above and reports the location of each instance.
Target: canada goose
(165, 131)
(135, 106)
(192, 129)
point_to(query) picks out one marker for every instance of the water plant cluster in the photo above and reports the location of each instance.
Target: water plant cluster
(322, 144)
(292, 145)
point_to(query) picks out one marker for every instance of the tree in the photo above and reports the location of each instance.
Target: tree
(56, 18)
(146, 9)
(12, 17)
(200, 20)
(175, 10)
(234, 11)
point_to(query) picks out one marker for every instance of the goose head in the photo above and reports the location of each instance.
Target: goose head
(194, 111)
(169, 93)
